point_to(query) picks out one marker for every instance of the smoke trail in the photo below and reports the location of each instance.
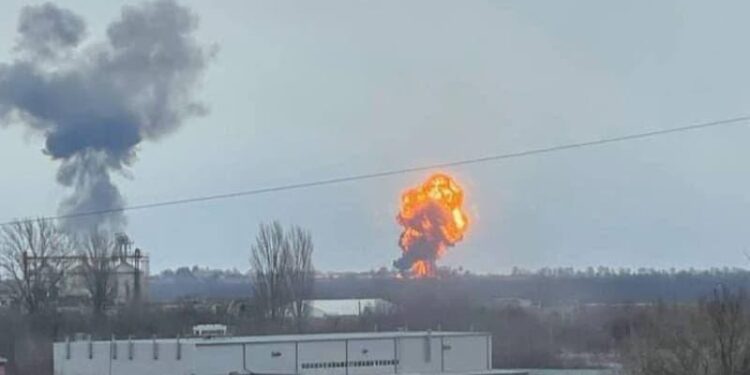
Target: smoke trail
(96, 103)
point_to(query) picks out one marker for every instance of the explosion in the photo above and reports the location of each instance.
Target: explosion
(433, 219)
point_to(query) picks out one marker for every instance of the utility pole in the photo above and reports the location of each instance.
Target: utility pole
(137, 274)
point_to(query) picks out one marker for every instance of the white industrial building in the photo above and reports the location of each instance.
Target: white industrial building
(337, 354)
(356, 307)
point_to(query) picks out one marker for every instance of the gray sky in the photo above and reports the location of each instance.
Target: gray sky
(308, 90)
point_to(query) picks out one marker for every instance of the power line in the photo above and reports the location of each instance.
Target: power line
(367, 176)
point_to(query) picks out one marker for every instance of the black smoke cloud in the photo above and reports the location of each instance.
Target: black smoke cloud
(428, 244)
(45, 30)
(95, 103)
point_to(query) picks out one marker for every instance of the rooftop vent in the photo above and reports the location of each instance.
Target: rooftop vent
(210, 330)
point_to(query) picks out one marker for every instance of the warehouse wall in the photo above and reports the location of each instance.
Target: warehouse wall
(102, 360)
(431, 353)
(271, 358)
(327, 353)
(377, 356)
(419, 354)
(218, 359)
(466, 353)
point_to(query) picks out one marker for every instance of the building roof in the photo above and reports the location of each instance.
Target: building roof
(239, 340)
(344, 307)
(329, 337)
(210, 326)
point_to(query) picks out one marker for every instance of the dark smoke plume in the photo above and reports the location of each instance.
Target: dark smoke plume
(96, 103)
(45, 30)
(429, 242)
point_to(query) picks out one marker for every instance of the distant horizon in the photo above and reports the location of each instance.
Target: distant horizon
(521, 271)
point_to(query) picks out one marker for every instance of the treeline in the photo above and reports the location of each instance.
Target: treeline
(556, 287)
(198, 282)
(545, 287)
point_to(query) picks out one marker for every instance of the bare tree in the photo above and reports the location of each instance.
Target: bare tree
(98, 269)
(283, 273)
(32, 256)
(670, 342)
(731, 344)
(301, 274)
(709, 339)
(270, 257)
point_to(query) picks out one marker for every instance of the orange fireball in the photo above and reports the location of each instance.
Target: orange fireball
(433, 219)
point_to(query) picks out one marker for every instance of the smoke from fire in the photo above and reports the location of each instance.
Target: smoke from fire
(96, 103)
(433, 219)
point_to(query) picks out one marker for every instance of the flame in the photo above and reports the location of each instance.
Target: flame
(420, 269)
(433, 219)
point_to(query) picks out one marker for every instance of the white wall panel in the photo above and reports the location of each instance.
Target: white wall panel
(271, 358)
(217, 359)
(465, 353)
(325, 353)
(376, 356)
(417, 354)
